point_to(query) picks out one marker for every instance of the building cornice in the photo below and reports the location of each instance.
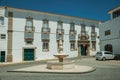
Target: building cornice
(50, 14)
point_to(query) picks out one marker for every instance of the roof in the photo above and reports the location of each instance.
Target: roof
(48, 13)
(114, 9)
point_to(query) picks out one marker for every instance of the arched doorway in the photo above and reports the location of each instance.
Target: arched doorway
(108, 47)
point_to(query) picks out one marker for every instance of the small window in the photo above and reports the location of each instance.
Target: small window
(29, 41)
(93, 46)
(45, 24)
(82, 27)
(72, 45)
(72, 26)
(1, 20)
(3, 36)
(45, 46)
(59, 25)
(107, 32)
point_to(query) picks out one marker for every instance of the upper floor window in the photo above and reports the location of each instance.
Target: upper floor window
(60, 25)
(1, 20)
(45, 28)
(72, 26)
(29, 24)
(3, 36)
(82, 27)
(93, 28)
(45, 24)
(107, 32)
(116, 13)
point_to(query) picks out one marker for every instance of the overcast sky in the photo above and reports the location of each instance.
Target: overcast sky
(92, 9)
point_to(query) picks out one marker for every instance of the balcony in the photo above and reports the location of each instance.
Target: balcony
(83, 36)
(29, 36)
(60, 31)
(29, 28)
(72, 32)
(45, 30)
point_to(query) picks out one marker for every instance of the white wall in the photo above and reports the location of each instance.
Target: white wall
(114, 38)
(19, 21)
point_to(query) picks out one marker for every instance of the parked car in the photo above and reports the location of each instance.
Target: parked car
(104, 55)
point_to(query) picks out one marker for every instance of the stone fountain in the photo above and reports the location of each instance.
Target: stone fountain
(60, 64)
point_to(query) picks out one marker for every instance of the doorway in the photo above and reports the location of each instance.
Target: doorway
(83, 50)
(28, 54)
(2, 56)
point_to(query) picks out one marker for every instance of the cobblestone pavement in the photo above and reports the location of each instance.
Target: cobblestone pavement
(105, 70)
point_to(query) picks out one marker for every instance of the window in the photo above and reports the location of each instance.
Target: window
(45, 46)
(82, 27)
(107, 32)
(93, 34)
(45, 23)
(1, 20)
(59, 25)
(116, 13)
(45, 28)
(3, 36)
(72, 45)
(29, 41)
(72, 26)
(93, 46)
(93, 28)
(29, 24)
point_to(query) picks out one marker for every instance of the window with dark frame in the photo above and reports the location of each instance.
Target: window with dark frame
(93, 46)
(72, 45)
(3, 36)
(107, 32)
(72, 26)
(1, 20)
(29, 23)
(45, 46)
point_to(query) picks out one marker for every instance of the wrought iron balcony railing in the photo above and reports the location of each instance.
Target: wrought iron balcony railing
(45, 30)
(72, 32)
(60, 31)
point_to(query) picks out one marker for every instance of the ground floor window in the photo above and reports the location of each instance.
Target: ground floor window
(72, 45)
(3, 36)
(93, 46)
(45, 46)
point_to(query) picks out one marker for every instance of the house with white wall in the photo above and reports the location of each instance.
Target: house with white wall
(27, 35)
(110, 32)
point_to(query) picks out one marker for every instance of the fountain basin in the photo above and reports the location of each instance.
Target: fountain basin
(55, 65)
(60, 57)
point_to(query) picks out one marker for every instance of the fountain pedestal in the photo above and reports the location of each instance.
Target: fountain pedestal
(61, 64)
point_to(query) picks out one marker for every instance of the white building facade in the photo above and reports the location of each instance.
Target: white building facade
(27, 35)
(110, 32)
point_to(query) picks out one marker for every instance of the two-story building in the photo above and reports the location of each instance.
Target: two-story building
(27, 35)
(110, 32)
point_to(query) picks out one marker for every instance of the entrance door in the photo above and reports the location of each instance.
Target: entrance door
(2, 58)
(83, 50)
(28, 54)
